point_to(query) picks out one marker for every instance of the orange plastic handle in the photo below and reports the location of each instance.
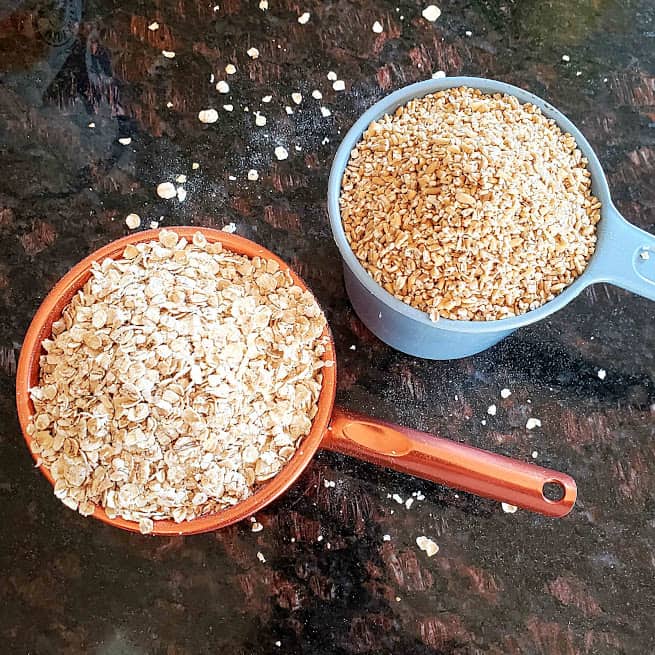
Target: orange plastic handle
(448, 462)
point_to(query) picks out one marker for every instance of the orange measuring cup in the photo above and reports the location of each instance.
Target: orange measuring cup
(409, 451)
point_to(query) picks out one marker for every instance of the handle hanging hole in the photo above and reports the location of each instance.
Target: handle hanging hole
(553, 491)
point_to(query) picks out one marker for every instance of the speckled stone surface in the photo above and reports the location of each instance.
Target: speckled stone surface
(501, 583)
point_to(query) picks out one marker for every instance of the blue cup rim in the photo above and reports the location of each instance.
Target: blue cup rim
(402, 96)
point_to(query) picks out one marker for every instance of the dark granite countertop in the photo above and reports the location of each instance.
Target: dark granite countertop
(501, 583)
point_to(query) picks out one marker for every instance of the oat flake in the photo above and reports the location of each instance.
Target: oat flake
(133, 221)
(428, 546)
(533, 423)
(166, 190)
(431, 13)
(208, 116)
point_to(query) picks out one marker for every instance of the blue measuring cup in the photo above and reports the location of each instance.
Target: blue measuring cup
(624, 255)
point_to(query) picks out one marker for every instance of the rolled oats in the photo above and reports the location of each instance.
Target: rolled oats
(180, 377)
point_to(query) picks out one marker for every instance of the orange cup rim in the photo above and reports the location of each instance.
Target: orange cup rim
(61, 294)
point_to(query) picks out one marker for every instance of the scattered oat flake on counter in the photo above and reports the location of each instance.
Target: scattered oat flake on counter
(644, 254)
(125, 141)
(428, 546)
(468, 33)
(409, 502)
(181, 193)
(437, 75)
(230, 69)
(398, 499)
(303, 19)
(92, 125)
(154, 26)
(132, 221)
(602, 373)
(535, 454)
(281, 153)
(222, 86)
(505, 393)
(431, 13)
(230, 228)
(208, 116)
(491, 410)
(267, 98)
(228, 107)
(339, 85)
(316, 94)
(253, 53)
(169, 54)
(169, 104)
(509, 509)
(180, 179)
(296, 97)
(166, 190)
(278, 643)
(146, 526)
(263, 5)
(566, 58)
(533, 423)
(289, 110)
(377, 27)
(253, 175)
(325, 112)
(256, 527)
(386, 537)
(260, 557)
(195, 166)
(260, 120)
(332, 76)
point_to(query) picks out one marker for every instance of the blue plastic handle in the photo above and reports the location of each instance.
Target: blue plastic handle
(625, 256)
